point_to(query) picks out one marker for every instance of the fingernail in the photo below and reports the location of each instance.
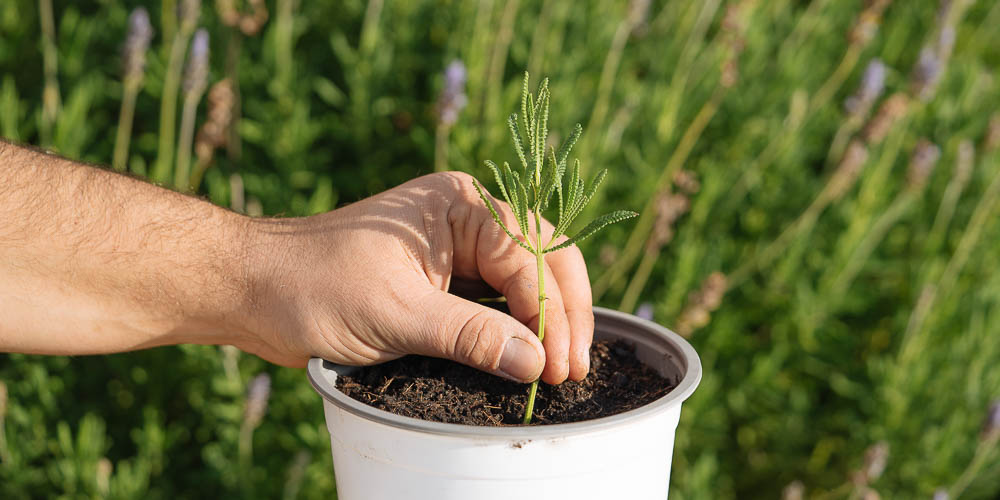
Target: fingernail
(519, 360)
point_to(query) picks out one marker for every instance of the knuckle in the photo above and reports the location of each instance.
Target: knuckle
(475, 342)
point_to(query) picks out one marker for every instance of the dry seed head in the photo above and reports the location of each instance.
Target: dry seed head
(214, 133)
(925, 156)
(871, 494)
(941, 494)
(850, 166)
(867, 23)
(687, 181)
(249, 23)
(992, 140)
(794, 491)
(891, 110)
(701, 304)
(733, 27)
(3, 399)
(876, 457)
(608, 255)
(140, 32)
(713, 290)
(103, 475)
(669, 208)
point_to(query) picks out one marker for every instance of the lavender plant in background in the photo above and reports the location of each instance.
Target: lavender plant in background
(645, 311)
(991, 424)
(257, 396)
(140, 32)
(195, 80)
(188, 13)
(449, 105)
(453, 98)
(258, 392)
(870, 89)
(926, 74)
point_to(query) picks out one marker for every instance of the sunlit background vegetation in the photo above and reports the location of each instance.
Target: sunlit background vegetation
(818, 181)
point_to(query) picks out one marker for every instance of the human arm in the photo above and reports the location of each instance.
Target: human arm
(96, 262)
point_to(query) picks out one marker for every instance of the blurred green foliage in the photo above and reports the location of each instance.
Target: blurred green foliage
(840, 319)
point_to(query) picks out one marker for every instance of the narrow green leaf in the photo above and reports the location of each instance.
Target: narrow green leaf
(595, 226)
(598, 180)
(553, 179)
(499, 179)
(518, 143)
(524, 99)
(523, 209)
(515, 196)
(568, 144)
(573, 191)
(496, 217)
(543, 126)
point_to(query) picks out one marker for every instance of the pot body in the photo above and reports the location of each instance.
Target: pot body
(378, 455)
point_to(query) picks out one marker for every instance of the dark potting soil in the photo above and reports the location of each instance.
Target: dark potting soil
(444, 391)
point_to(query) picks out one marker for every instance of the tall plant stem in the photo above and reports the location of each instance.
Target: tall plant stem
(168, 105)
(125, 117)
(498, 60)
(639, 279)
(980, 218)
(606, 83)
(233, 146)
(540, 261)
(50, 61)
(182, 175)
(441, 148)
(842, 281)
(643, 227)
(168, 16)
(979, 459)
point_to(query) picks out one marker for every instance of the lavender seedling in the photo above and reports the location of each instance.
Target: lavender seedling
(542, 175)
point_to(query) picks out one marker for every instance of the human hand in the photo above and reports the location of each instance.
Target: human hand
(368, 283)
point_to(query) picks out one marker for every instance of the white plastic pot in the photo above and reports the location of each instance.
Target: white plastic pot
(379, 455)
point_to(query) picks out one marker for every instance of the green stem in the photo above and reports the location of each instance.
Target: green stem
(643, 227)
(182, 175)
(978, 460)
(441, 148)
(875, 235)
(540, 261)
(125, 124)
(50, 61)
(639, 279)
(168, 105)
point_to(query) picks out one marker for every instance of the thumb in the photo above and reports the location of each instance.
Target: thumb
(469, 333)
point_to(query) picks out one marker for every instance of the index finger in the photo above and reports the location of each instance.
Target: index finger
(571, 273)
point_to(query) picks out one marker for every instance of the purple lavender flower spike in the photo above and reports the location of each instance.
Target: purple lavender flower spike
(453, 97)
(140, 32)
(197, 69)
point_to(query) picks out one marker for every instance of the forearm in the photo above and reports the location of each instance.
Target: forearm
(95, 262)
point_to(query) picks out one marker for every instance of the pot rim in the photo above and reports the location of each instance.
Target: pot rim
(318, 370)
